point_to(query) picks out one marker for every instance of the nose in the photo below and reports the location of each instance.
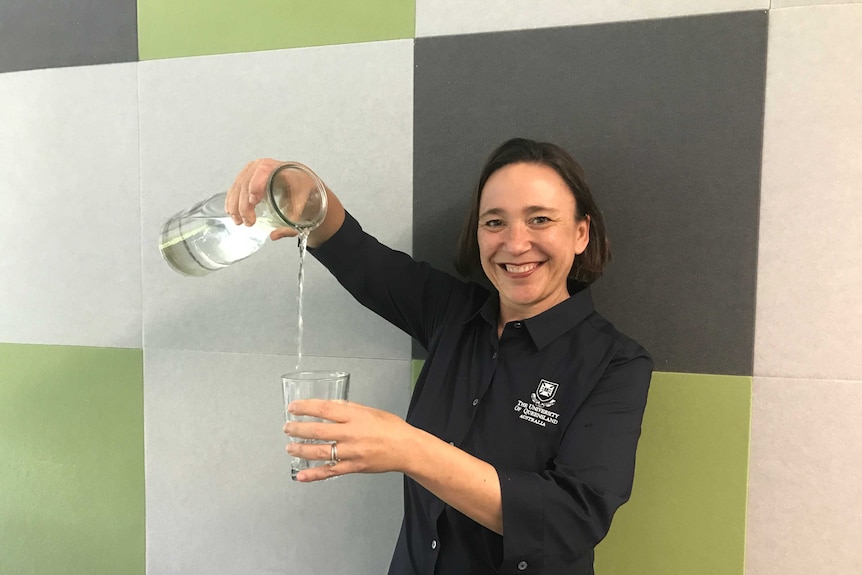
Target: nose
(517, 240)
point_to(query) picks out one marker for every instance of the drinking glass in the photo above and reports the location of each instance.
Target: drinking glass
(332, 385)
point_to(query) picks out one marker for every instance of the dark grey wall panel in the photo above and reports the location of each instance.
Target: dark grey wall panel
(47, 34)
(665, 116)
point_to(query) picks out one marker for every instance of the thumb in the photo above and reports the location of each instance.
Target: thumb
(282, 233)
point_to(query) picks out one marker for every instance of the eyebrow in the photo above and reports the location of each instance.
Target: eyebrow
(528, 210)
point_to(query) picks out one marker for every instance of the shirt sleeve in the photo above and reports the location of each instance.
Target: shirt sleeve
(411, 295)
(553, 518)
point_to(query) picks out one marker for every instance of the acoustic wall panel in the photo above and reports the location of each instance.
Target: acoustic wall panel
(196, 27)
(219, 494)
(70, 263)
(46, 34)
(666, 118)
(804, 489)
(345, 111)
(72, 447)
(799, 3)
(809, 305)
(438, 17)
(687, 510)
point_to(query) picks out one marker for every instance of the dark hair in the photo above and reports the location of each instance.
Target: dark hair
(588, 265)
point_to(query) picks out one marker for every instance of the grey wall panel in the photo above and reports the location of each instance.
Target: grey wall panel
(345, 111)
(438, 17)
(46, 34)
(665, 116)
(218, 489)
(70, 263)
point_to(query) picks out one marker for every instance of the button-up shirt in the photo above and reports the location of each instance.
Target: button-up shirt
(555, 404)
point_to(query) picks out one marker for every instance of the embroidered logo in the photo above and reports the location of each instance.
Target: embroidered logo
(537, 411)
(544, 394)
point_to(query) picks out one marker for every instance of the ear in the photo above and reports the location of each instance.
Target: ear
(582, 235)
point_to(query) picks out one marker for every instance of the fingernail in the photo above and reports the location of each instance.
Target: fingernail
(291, 408)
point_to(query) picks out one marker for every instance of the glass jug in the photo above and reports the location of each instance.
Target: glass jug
(204, 239)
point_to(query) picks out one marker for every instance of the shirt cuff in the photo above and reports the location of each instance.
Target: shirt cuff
(523, 522)
(338, 246)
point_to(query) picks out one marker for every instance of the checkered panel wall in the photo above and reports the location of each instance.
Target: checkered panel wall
(720, 137)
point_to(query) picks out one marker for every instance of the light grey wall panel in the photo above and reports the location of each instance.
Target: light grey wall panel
(219, 494)
(809, 301)
(48, 34)
(346, 111)
(790, 3)
(804, 495)
(70, 251)
(666, 118)
(439, 17)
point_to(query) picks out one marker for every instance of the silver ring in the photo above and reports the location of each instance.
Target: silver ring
(333, 454)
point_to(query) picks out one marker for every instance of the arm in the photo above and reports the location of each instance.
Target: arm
(554, 517)
(374, 441)
(409, 294)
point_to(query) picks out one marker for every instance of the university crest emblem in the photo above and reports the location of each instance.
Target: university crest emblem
(544, 394)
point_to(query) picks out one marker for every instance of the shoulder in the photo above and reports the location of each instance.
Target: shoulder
(621, 347)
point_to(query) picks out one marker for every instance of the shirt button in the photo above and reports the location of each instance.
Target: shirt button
(522, 566)
(475, 402)
(434, 545)
(451, 443)
(517, 324)
(494, 355)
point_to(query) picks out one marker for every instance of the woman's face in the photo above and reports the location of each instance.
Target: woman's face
(528, 238)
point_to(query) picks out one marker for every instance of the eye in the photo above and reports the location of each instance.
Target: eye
(492, 223)
(540, 220)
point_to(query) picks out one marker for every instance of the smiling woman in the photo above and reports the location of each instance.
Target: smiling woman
(519, 444)
(538, 165)
(529, 233)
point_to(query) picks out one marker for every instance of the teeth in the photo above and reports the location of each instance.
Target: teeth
(520, 269)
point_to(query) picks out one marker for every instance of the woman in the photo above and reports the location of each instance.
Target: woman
(519, 443)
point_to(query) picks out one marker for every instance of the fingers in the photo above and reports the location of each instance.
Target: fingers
(323, 472)
(246, 209)
(248, 190)
(318, 431)
(321, 452)
(233, 199)
(313, 451)
(331, 410)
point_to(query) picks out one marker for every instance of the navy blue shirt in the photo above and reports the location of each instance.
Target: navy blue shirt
(555, 404)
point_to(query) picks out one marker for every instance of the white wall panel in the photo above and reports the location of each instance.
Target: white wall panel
(809, 303)
(346, 111)
(439, 17)
(218, 488)
(805, 495)
(70, 251)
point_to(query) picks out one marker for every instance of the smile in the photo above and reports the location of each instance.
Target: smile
(520, 269)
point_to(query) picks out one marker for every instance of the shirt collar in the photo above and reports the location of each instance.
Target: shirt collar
(548, 325)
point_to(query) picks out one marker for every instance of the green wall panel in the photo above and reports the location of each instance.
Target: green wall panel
(687, 512)
(72, 453)
(168, 28)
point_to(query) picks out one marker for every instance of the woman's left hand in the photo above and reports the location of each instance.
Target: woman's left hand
(368, 440)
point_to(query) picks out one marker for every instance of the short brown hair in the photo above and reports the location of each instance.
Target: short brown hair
(588, 265)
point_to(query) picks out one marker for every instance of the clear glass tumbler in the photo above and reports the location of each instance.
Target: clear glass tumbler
(204, 239)
(331, 385)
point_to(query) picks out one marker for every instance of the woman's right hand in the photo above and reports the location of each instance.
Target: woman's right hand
(248, 190)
